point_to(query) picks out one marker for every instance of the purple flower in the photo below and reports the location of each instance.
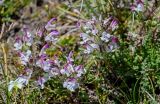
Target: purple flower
(52, 20)
(107, 20)
(42, 52)
(41, 81)
(50, 26)
(88, 26)
(78, 24)
(113, 45)
(51, 36)
(24, 57)
(90, 48)
(68, 69)
(114, 24)
(85, 38)
(71, 84)
(25, 79)
(94, 31)
(54, 72)
(18, 44)
(28, 72)
(27, 37)
(137, 6)
(44, 64)
(80, 70)
(69, 58)
(56, 61)
(105, 37)
(114, 40)
(18, 83)
(39, 33)
(54, 32)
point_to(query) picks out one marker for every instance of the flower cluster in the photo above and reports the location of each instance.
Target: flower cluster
(21, 80)
(51, 65)
(95, 36)
(72, 72)
(22, 47)
(138, 6)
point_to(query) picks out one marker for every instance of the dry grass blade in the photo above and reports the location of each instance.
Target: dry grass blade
(2, 30)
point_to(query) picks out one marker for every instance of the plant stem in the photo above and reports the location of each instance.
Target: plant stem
(5, 69)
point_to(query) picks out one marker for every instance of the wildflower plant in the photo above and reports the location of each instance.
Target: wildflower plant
(49, 63)
(41, 53)
(114, 57)
(95, 37)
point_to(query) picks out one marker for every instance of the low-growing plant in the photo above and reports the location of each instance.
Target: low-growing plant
(114, 59)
